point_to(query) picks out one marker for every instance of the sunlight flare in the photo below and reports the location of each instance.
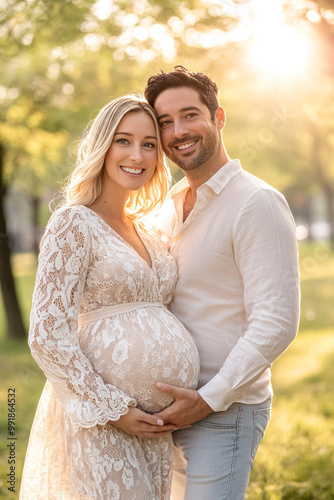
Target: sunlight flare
(284, 52)
(278, 48)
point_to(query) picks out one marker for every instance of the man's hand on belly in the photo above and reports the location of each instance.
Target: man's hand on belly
(187, 408)
(138, 423)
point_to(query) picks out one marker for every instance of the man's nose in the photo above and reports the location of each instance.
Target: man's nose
(180, 129)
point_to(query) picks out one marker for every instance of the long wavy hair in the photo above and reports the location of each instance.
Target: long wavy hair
(84, 185)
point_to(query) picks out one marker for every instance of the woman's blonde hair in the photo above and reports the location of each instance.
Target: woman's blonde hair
(85, 183)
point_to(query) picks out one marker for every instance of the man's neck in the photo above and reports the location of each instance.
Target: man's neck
(197, 177)
(202, 174)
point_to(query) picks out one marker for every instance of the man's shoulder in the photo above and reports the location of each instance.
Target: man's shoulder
(253, 196)
(246, 192)
(254, 183)
(247, 186)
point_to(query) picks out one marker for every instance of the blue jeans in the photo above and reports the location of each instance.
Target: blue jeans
(213, 458)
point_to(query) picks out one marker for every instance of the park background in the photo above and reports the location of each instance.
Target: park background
(61, 61)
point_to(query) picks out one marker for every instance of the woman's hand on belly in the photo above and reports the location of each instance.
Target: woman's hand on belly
(138, 423)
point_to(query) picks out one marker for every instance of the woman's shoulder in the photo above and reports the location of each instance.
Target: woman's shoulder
(65, 218)
(67, 225)
(71, 212)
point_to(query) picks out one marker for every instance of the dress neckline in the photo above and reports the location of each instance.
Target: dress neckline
(141, 237)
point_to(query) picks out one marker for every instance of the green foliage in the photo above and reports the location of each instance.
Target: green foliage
(58, 72)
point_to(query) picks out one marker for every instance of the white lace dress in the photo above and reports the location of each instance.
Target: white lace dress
(97, 370)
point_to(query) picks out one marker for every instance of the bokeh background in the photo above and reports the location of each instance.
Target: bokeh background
(273, 60)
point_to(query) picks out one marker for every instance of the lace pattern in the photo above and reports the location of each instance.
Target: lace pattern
(96, 371)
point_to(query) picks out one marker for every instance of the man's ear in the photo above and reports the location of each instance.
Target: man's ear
(221, 118)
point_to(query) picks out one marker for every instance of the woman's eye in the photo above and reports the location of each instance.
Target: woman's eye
(122, 141)
(149, 145)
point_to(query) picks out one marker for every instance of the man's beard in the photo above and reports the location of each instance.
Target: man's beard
(206, 151)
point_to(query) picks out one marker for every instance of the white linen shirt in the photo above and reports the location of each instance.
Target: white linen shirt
(238, 289)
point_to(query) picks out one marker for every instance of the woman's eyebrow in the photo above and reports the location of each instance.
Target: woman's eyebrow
(131, 135)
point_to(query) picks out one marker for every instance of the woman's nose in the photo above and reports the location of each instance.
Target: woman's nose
(136, 154)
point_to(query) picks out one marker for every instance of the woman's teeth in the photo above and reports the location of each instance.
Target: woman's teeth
(132, 170)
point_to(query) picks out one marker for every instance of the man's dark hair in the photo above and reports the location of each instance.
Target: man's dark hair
(181, 77)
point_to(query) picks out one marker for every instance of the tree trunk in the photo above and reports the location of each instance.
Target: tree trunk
(15, 327)
(329, 193)
(35, 204)
(325, 182)
(308, 216)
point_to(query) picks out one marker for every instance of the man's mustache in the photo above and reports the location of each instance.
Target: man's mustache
(189, 138)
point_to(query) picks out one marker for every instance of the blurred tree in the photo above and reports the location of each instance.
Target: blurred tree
(281, 125)
(316, 99)
(29, 132)
(319, 111)
(15, 324)
(62, 59)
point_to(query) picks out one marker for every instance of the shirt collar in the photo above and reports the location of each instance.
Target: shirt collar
(216, 183)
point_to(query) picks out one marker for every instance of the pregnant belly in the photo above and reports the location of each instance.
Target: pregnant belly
(134, 350)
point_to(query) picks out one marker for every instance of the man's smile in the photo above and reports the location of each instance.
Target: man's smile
(185, 146)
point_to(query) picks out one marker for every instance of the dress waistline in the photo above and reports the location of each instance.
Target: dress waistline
(109, 311)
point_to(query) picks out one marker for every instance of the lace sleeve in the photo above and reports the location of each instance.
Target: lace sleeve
(63, 262)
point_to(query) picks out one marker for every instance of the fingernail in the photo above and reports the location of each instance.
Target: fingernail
(160, 422)
(158, 385)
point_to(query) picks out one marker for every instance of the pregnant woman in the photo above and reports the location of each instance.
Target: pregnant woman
(100, 329)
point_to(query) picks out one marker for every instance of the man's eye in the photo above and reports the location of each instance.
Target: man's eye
(191, 115)
(165, 123)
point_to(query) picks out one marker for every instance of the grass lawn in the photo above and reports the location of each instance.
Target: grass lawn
(296, 457)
